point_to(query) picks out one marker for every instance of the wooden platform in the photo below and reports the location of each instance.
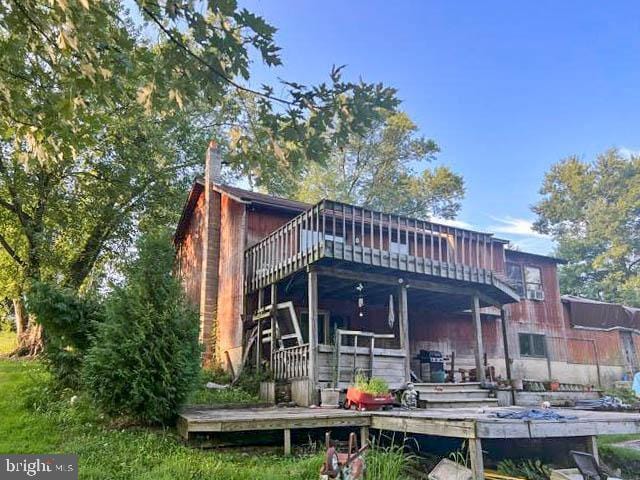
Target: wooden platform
(471, 424)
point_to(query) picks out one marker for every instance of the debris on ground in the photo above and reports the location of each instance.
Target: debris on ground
(607, 402)
(450, 470)
(216, 386)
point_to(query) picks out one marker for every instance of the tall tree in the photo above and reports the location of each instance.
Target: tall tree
(592, 210)
(101, 125)
(387, 169)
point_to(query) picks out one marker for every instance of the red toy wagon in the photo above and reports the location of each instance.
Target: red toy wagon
(367, 401)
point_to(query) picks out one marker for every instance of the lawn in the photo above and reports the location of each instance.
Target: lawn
(626, 459)
(31, 424)
(7, 341)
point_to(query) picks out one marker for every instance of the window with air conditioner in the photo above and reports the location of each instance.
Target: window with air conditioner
(533, 283)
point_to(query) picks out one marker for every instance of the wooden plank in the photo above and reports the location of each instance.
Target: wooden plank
(592, 447)
(287, 441)
(403, 325)
(364, 436)
(475, 458)
(424, 426)
(505, 343)
(182, 426)
(479, 347)
(312, 294)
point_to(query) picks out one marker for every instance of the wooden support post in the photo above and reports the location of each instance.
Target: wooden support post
(274, 322)
(505, 342)
(475, 457)
(479, 350)
(507, 358)
(260, 298)
(259, 346)
(364, 436)
(403, 327)
(287, 441)
(592, 447)
(313, 330)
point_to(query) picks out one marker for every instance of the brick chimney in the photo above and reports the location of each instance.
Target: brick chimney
(210, 256)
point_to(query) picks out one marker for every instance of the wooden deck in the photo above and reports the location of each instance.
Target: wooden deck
(470, 424)
(376, 240)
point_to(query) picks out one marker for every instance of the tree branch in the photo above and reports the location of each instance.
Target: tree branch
(11, 251)
(203, 62)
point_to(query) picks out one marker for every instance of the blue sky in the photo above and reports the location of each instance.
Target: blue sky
(505, 88)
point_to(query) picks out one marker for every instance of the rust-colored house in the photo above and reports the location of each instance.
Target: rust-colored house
(319, 292)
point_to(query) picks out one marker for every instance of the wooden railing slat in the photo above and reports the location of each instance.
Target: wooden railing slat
(450, 251)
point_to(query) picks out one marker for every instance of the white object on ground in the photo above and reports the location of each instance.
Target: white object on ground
(215, 386)
(448, 470)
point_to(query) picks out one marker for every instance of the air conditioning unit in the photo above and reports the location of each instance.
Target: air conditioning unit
(535, 294)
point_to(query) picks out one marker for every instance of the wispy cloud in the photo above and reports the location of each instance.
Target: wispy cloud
(629, 152)
(455, 223)
(515, 226)
(520, 233)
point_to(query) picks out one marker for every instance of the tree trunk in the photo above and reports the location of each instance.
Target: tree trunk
(30, 341)
(21, 316)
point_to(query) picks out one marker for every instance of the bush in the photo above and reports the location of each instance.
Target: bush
(146, 356)
(68, 321)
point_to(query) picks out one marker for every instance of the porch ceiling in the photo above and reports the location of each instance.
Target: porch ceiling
(450, 298)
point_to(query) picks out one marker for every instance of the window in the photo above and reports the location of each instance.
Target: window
(533, 283)
(532, 345)
(514, 274)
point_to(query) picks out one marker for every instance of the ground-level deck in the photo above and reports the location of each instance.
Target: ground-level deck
(471, 424)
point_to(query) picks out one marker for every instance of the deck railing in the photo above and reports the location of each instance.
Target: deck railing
(292, 362)
(358, 234)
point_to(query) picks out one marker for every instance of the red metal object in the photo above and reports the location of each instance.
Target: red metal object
(367, 401)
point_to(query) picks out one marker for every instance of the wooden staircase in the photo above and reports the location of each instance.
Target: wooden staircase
(453, 395)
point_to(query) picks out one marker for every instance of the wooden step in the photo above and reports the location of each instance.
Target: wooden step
(454, 395)
(435, 387)
(486, 402)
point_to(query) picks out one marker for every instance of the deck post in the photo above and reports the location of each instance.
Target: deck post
(313, 331)
(364, 436)
(479, 350)
(287, 441)
(259, 345)
(505, 343)
(403, 327)
(592, 447)
(274, 320)
(475, 457)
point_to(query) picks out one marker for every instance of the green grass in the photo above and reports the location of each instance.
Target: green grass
(7, 341)
(36, 419)
(236, 394)
(31, 424)
(626, 459)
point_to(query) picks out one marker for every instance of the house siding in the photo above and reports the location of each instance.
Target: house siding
(230, 283)
(189, 253)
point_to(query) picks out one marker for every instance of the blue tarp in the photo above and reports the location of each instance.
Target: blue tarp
(534, 414)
